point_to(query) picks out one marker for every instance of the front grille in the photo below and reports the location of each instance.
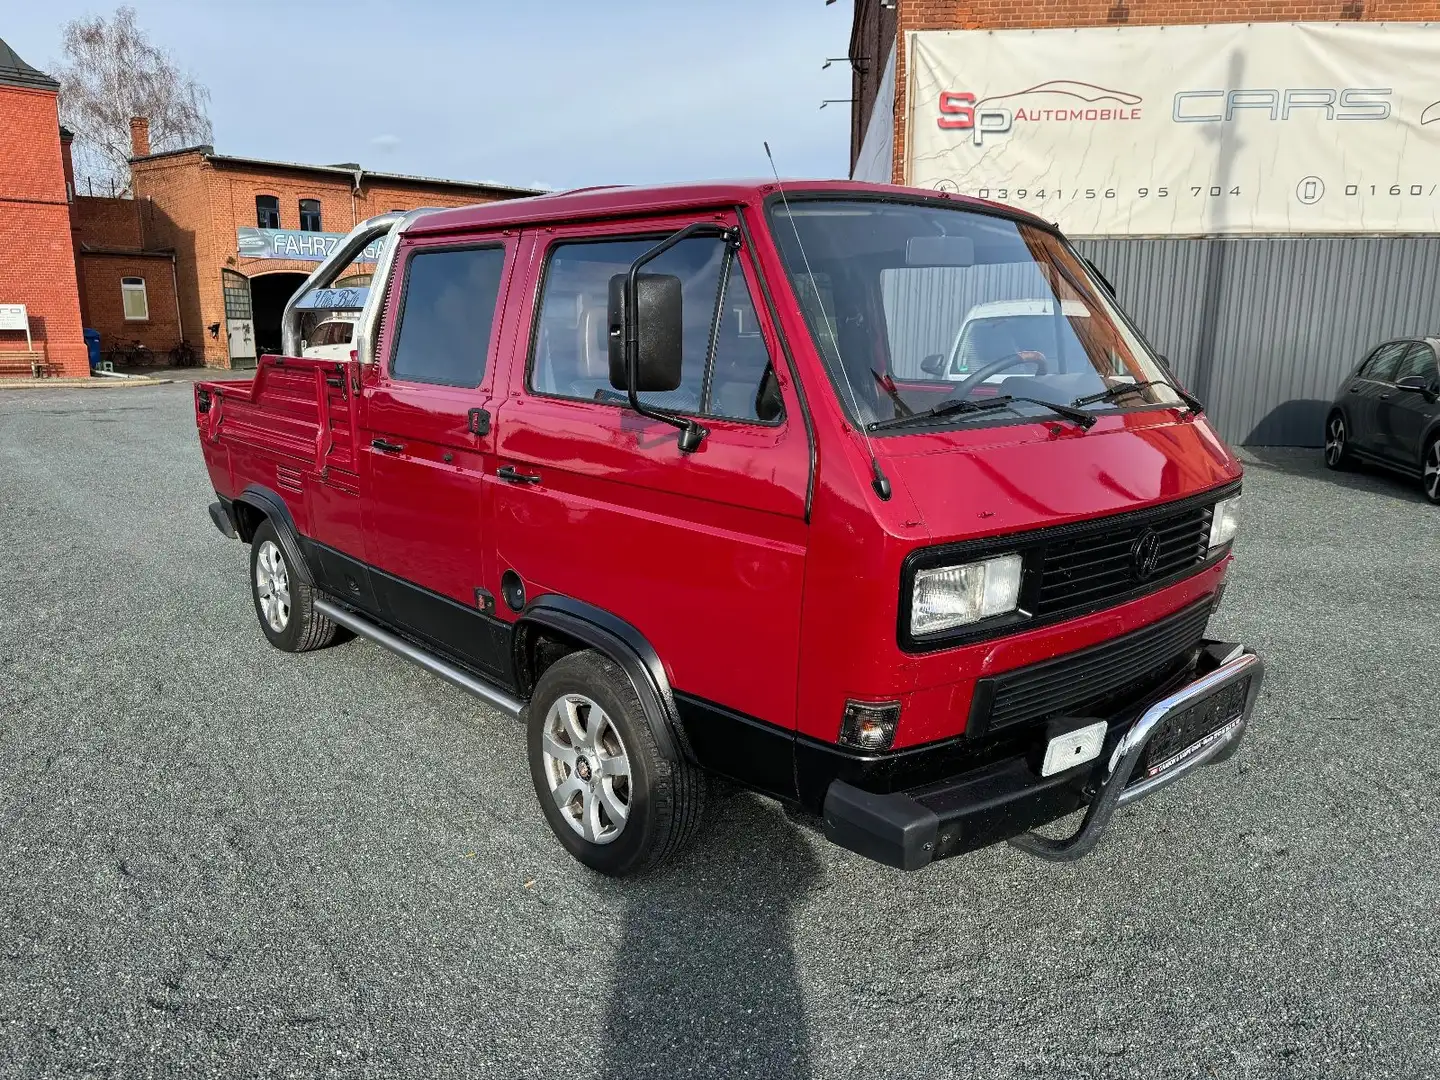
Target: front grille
(1088, 567)
(1091, 678)
(1078, 569)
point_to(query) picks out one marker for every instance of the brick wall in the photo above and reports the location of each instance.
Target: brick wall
(37, 257)
(102, 274)
(174, 206)
(1032, 14)
(195, 206)
(871, 38)
(102, 222)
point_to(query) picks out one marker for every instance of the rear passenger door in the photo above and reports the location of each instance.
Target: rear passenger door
(425, 441)
(703, 553)
(1374, 382)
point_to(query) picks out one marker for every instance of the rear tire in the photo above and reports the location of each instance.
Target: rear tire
(1337, 442)
(1430, 471)
(613, 800)
(284, 604)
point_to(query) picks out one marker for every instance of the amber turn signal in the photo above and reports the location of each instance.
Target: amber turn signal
(870, 725)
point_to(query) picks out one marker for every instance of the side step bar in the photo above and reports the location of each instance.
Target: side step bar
(491, 695)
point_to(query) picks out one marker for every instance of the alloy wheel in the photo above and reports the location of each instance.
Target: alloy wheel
(272, 586)
(1430, 472)
(587, 767)
(1334, 441)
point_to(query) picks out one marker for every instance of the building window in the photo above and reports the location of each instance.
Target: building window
(132, 297)
(310, 215)
(267, 211)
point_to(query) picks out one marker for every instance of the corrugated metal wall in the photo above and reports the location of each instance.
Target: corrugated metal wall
(1264, 330)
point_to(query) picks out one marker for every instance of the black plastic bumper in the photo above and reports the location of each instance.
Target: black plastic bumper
(1007, 799)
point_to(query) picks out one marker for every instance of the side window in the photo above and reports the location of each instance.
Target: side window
(1420, 360)
(310, 215)
(447, 311)
(1383, 364)
(742, 383)
(267, 211)
(572, 357)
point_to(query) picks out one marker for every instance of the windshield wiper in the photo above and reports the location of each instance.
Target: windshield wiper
(966, 405)
(1110, 393)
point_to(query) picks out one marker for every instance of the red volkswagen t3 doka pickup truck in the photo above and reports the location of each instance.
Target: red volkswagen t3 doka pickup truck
(866, 498)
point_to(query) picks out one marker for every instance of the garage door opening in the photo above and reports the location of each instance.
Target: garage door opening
(269, 294)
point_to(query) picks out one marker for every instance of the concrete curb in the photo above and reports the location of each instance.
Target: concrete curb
(80, 384)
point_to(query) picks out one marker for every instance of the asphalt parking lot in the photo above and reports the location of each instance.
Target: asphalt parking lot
(220, 860)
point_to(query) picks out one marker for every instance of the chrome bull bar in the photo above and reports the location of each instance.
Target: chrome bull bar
(1117, 789)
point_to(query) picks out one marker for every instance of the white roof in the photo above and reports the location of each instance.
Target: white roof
(996, 309)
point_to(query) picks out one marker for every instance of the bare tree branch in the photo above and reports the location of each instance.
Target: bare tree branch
(110, 73)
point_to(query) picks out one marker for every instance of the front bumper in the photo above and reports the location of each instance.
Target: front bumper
(1005, 801)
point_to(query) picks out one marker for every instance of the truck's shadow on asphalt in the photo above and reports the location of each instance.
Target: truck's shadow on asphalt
(705, 980)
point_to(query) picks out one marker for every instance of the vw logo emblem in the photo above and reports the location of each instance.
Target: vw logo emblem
(1144, 554)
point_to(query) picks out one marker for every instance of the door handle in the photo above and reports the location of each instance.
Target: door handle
(511, 475)
(386, 447)
(1355, 389)
(1384, 395)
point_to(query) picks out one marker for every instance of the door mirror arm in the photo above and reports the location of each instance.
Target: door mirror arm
(659, 339)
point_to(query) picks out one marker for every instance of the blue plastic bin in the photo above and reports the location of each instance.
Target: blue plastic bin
(92, 345)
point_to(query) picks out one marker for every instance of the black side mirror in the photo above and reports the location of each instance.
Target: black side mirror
(658, 332)
(1417, 384)
(934, 364)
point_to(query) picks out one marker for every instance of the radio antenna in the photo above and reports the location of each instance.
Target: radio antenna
(878, 480)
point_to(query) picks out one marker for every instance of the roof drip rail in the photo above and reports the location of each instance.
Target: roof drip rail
(390, 226)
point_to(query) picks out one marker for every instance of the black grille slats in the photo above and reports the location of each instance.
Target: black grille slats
(1087, 568)
(1071, 684)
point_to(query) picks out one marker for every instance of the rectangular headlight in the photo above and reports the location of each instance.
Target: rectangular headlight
(950, 596)
(1225, 522)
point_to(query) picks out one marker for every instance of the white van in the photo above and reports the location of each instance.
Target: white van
(333, 339)
(1000, 327)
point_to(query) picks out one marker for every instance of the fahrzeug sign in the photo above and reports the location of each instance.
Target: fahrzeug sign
(291, 244)
(1245, 128)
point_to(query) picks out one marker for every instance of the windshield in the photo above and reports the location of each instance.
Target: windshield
(913, 305)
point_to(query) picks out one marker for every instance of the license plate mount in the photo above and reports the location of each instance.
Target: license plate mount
(1188, 731)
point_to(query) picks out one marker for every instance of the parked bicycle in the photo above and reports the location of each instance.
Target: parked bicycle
(133, 354)
(183, 355)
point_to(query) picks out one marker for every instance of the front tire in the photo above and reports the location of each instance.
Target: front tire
(1430, 471)
(284, 604)
(613, 800)
(1337, 442)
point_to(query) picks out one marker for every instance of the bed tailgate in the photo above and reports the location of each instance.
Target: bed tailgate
(296, 416)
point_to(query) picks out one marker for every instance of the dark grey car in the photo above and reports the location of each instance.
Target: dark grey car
(1388, 412)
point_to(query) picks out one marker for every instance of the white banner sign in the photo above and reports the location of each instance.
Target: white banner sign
(1259, 128)
(12, 317)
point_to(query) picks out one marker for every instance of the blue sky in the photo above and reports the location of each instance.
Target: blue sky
(552, 93)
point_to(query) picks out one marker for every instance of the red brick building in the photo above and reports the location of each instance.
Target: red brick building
(238, 236)
(207, 249)
(37, 260)
(880, 27)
